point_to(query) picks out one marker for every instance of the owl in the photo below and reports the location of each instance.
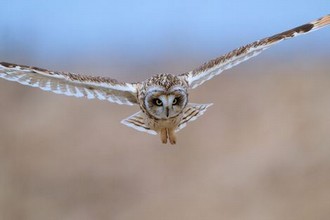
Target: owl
(163, 99)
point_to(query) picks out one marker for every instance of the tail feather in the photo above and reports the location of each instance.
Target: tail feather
(191, 113)
(136, 121)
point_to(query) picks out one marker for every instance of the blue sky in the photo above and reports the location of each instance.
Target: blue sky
(141, 30)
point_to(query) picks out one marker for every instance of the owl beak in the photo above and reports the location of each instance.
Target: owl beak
(167, 111)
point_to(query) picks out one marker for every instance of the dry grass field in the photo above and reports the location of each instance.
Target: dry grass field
(262, 152)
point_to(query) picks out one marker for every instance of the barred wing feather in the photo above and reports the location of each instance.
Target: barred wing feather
(214, 67)
(71, 84)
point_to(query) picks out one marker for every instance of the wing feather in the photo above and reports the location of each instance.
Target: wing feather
(214, 67)
(71, 84)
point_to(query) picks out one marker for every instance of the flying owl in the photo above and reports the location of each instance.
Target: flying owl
(163, 99)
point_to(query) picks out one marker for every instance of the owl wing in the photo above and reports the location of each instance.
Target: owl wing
(214, 67)
(71, 84)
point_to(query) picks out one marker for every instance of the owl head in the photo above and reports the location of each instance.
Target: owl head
(165, 97)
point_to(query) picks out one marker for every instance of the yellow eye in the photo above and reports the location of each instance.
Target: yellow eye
(158, 102)
(175, 101)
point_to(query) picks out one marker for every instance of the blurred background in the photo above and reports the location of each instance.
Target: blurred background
(261, 152)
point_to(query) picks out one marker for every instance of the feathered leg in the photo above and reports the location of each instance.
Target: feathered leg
(163, 135)
(172, 137)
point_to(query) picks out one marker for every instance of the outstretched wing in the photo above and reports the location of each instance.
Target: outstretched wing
(71, 84)
(214, 67)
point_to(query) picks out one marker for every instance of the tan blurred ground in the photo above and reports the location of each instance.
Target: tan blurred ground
(261, 152)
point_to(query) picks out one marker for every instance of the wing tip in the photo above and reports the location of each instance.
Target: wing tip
(321, 22)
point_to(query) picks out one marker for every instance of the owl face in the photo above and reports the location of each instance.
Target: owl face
(164, 103)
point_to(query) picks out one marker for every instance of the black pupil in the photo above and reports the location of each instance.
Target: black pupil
(175, 101)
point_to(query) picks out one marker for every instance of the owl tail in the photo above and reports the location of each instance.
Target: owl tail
(190, 113)
(136, 121)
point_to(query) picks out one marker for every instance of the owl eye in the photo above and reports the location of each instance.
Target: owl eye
(175, 101)
(158, 102)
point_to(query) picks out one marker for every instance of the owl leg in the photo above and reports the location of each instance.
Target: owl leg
(172, 137)
(163, 135)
